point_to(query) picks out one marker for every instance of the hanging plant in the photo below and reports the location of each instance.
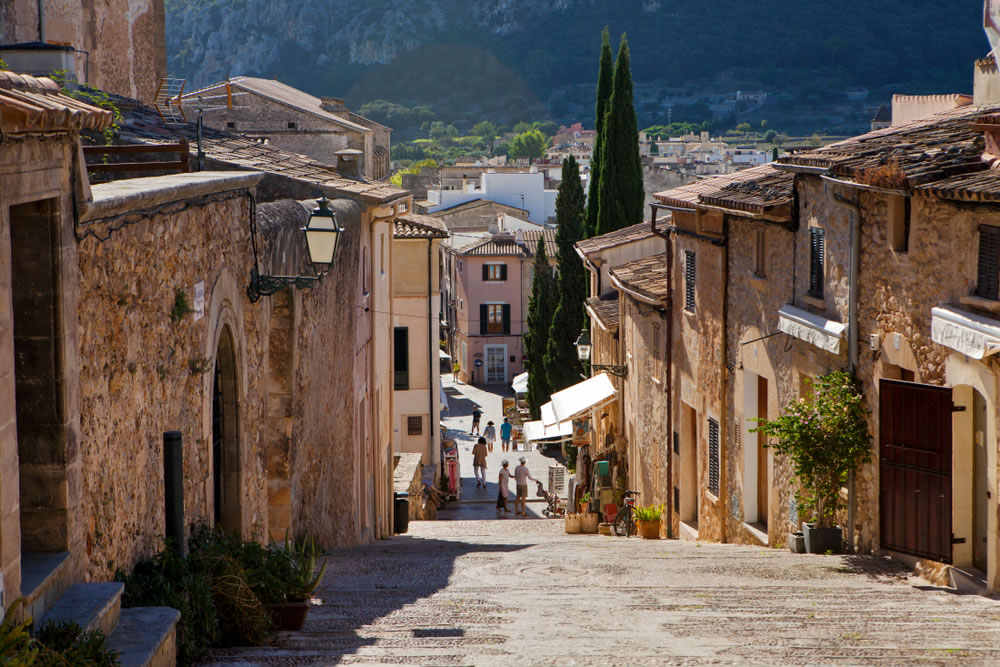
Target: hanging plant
(825, 437)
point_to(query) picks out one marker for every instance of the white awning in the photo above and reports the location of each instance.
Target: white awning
(520, 383)
(443, 355)
(972, 335)
(592, 393)
(813, 329)
(444, 398)
(536, 430)
(548, 416)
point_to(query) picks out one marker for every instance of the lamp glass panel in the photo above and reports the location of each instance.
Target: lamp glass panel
(322, 234)
(583, 352)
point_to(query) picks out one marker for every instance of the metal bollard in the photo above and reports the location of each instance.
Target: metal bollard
(173, 488)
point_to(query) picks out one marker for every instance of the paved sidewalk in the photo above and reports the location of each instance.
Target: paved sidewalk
(479, 503)
(525, 593)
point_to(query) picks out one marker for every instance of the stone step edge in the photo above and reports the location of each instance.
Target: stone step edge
(93, 606)
(146, 637)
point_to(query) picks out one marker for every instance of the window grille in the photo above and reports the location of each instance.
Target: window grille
(689, 277)
(414, 425)
(988, 274)
(816, 257)
(713, 456)
(657, 356)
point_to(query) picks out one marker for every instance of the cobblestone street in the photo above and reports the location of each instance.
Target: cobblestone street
(482, 591)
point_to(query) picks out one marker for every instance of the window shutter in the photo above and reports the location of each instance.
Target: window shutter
(486, 271)
(482, 320)
(689, 277)
(988, 274)
(816, 253)
(401, 358)
(713, 457)
(506, 318)
(503, 272)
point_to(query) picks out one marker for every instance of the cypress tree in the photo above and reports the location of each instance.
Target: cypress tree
(561, 363)
(604, 74)
(540, 308)
(620, 196)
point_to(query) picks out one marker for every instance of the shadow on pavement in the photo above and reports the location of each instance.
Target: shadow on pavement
(379, 584)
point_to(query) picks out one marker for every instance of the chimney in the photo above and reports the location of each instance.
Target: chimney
(334, 105)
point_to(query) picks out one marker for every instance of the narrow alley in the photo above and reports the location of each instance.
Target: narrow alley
(474, 589)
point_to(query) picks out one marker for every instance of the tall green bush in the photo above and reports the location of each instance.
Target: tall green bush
(536, 335)
(604, 75)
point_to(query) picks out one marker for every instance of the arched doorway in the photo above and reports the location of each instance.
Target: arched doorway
(226, 463)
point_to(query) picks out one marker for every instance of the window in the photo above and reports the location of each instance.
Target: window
(291, 125)
(816, 253)
(415, 425)
(230, 124)
(494, 272)
(988, 274)
(401, 358)
(460, 267)
(461, 304)
(403, 208)
(713, 456)
(760, 254)
(494, 318)
(689, 277)
(381, 259)
(898, 231)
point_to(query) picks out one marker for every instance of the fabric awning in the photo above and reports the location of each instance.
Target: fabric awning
(972, 335)
(814, 329)
(548, 416)
(520, 383)
(592, 393)
(536, 430)
(443, 355)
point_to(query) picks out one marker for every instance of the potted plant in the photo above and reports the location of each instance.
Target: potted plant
(825, 437)
(294, 566)
(648, 519)
(585, 503)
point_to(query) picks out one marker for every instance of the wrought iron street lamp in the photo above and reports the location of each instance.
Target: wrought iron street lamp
(322, 234)
(583, 350)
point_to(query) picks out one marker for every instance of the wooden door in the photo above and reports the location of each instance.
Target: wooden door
(763, 474)
(915, 464)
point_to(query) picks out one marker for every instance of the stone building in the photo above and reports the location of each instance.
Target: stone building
(322, 128)
(117, 45)
(416, 306)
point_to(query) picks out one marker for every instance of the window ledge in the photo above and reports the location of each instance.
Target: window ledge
(980, 302)
(813, 301)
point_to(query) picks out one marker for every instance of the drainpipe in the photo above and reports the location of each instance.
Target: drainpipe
(41, 21)
(852, 328)
(431, 426)
(669, 306)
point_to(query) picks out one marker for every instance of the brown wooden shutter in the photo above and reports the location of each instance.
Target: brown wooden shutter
(506, 318)
(816, 255)
(988, 275)
(486, 271)
(713, 456)
(503, 272)
(689, 277)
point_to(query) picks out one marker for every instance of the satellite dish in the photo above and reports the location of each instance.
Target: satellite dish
(991, 22)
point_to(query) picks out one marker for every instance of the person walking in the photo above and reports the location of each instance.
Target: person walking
(476, 415)
(479, 462)
(490, 433)
(504, 493)
(521, 477)
(505, 430)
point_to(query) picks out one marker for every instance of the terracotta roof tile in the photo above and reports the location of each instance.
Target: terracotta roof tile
(416, 226)
(605, 310)
(929, 149)
(531, 240)
(32, 103)
(756, 190)
(620, 237)
(646, 276)
(497, 246)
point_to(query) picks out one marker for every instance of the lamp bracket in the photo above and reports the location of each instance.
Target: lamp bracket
(265, 285)
(618, 371)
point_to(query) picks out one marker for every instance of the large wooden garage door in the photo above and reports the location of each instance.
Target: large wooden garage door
(915, 469)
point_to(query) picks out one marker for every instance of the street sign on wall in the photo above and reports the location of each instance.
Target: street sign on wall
(478, 363)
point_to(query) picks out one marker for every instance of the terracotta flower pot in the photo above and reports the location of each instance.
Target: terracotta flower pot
(649, 530)
(288, 616)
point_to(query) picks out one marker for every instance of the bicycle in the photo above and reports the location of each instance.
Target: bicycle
(625, 520)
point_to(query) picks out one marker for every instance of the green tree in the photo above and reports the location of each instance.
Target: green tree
(604, 80)
(620, 197)
(536, 337)
(485, 129)
(744, 128)
(562, 367)
(770, 136)
(530, 144)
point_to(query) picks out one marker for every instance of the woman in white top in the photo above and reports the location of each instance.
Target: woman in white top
(490, 433)
(505, 475)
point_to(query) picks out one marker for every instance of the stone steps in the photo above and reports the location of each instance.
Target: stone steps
(146, 637)
(44, 578)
